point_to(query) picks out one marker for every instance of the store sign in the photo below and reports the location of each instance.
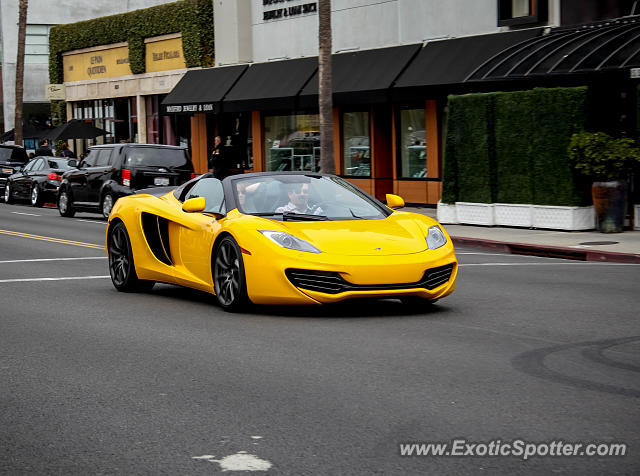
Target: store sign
(209, 107)
(55, 92)
(99, 63)
(164, 54)
(287, 11)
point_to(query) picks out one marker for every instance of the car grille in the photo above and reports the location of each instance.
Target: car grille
(332, 283)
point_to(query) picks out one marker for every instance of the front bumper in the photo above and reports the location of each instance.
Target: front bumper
(276, 282)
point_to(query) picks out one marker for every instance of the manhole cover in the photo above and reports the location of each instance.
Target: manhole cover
(600, 243)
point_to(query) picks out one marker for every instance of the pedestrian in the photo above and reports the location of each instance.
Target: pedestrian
(44, 148)
(217, 161)
(66, 152)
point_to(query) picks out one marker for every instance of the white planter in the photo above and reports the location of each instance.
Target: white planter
(475, 213)
(636, 217)
(564, 218)
(513, 214)
(446, 213)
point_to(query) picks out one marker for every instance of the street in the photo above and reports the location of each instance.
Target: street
(93, 381)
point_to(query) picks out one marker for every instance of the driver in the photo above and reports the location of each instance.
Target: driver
(299, 201)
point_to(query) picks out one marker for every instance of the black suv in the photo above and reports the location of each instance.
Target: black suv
(109, 172)
(12, 158)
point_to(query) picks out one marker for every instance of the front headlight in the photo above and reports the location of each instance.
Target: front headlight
(435, 238)
(290, 242)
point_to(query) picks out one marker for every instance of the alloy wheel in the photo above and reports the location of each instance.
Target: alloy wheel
(227, 273)
(35, 195)
(119, 262)
(107, 205)
(7, 193)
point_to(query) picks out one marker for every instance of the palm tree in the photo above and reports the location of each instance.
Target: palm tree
(325, 103)
(22, 27)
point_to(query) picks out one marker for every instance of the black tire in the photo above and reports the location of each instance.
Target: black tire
(37, 199)
(106, 205)
(65, 204)
(228, 276)
(121, 266)
(7, 193)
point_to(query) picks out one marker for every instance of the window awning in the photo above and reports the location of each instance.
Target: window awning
(269, 86)
(597, 47)
(202, 90)
(446, 62)
(362, 77)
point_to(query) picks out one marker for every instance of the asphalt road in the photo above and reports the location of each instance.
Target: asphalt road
(93, 381)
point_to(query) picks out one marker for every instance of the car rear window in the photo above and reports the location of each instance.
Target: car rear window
(150, 157)
(9, 154)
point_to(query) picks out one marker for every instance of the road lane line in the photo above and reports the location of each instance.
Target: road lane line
(565, 263)
(29, 214)
(92, 221)
(51, 239)
(50, 259)
(23, 280)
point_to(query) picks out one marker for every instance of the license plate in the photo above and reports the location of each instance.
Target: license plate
(7, 171)
(161, 181)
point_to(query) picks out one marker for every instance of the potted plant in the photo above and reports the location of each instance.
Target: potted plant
(608, 162)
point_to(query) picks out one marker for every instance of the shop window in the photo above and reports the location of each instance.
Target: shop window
(356, 144)
(413, 144)
(521, 12)
(292, 142)
(153, 121)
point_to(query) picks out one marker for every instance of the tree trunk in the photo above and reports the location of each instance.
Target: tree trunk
(22, 27)
(325, 102)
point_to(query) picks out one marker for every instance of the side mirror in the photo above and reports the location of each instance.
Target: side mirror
(72, 163)
(394, 201)
(17, 169)
(197, 204)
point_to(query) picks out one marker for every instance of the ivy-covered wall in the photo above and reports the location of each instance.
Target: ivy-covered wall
(511, 147)
(193, 18)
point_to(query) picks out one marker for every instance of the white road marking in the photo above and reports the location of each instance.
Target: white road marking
(568, 262)
(50, 259)
(256, 437)
(29, 214)
(92, 221)
(501, 254)
(241, 461)
(23, 280)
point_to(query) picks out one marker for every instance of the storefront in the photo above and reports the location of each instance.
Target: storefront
(100, 89)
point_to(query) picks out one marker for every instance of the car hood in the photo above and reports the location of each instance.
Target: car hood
(394, 235)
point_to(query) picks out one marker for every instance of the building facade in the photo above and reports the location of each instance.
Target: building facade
(41, 16)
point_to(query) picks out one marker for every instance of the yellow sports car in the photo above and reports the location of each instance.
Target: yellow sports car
(278, 238)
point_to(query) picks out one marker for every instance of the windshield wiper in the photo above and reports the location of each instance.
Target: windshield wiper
(355, 216)
(303, 216)
(292, 216)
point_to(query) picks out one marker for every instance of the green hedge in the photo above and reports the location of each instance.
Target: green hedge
(468, 161)
(192, 18)
(522, 155)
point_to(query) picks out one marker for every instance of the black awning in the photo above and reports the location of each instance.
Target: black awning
(362, 77)
(272, 85)
(598, 47)
(451, 61)
(201, 90)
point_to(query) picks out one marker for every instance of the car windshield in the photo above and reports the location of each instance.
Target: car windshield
(156, 157)
(60, 164)
(296, 196)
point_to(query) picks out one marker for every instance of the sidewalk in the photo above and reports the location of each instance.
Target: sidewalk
(579, 245)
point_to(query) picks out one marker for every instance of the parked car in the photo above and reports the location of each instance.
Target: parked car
(109, 172)
(12, 158)
(38, 181)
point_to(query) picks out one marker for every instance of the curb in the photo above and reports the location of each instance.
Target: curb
(549, 251)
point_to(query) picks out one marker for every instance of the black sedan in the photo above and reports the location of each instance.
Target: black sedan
(38, 181)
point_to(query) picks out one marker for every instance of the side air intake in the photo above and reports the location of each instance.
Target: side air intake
(156, 232)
